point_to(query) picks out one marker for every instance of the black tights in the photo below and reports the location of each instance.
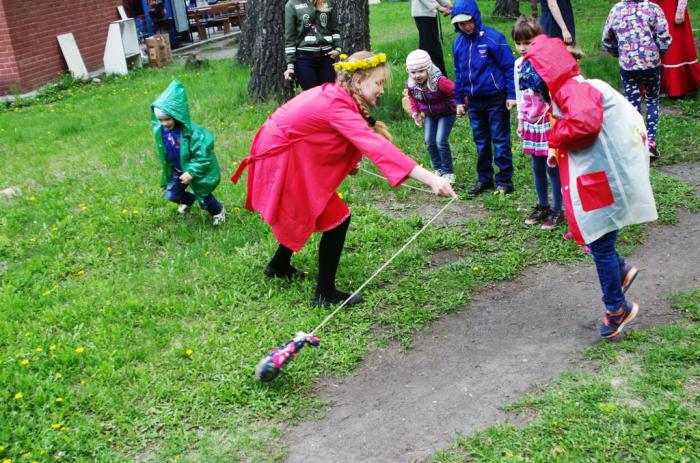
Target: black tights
(329, 250)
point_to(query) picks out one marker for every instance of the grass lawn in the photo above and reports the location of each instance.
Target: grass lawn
(129, 333)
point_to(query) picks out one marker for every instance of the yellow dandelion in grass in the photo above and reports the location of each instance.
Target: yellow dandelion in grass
(82, 381)
(38, 349)
(24, 362)
(177, 457)
(32, 198)
(681, 450)
(125, 211)
(54, 228)
(79, 350)
(2, 449)
(340, 195)
(135, 211)
(57, 375)
(82, 207)
(46, 293)
(27, 334)
(32, 240)
(7, 460)
(237, 209)
(189, 352)
(56, 426)
(18, 396)
(52, 347)
(81, 273)
(206, 254)
(109, 249)
(59, 400)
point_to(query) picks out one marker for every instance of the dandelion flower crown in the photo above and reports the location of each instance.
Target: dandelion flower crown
(352, 66)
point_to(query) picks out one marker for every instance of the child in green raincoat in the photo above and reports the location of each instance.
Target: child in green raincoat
(186, 152)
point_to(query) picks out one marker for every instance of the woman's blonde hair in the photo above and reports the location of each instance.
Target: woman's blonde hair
(350, 81)
(321, 5)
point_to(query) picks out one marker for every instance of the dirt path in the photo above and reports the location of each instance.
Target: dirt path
(402, 406)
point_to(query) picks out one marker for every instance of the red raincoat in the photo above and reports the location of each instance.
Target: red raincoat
(302, 154)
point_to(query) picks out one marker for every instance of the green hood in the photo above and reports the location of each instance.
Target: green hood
(173, 101)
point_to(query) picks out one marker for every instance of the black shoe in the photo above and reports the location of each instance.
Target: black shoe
(654, 152)
(336, 297)
(479, 188)
(288, 273)
(503, 190)
(538, 214)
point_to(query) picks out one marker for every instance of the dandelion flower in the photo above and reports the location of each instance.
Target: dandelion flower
(56, 426)
(52, 347)
(24, 362)
(340, 195)
(109, 249)
(58, 375)
(19, 395)
(125, 211)
(81, 272)
(32, 198)
(189, 352)
(59, 400)
(80, 350)
(206, 254)
(38, 349)
(7, 460)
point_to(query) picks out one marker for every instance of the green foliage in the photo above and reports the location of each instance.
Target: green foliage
(148, 325)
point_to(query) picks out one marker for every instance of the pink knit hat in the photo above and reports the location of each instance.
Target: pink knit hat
(418, 60)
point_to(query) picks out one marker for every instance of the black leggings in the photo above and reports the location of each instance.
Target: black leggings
(329, 250)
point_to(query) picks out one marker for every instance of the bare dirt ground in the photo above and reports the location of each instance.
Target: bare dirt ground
(401, 406)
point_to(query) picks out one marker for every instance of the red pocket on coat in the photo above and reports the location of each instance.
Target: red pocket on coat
(594, 191)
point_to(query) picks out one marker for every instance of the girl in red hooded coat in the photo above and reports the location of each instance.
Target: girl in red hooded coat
(302, 154)
(600, 143)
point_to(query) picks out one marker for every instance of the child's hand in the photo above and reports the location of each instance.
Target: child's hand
(680, 18)
(418, 119)
(461, 110)
(520, 129)
(552, 158)
(185, 178)
(510, 104)
(289, 74)
(355, 170)
(568, 39)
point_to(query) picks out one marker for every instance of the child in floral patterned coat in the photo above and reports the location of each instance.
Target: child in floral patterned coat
(636, 31)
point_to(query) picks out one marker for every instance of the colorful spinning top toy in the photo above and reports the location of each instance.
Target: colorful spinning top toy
(271, 364)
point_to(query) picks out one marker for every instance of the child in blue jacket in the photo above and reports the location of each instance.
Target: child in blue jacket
(484, 89)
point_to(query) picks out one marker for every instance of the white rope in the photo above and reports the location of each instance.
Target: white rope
(357, 291)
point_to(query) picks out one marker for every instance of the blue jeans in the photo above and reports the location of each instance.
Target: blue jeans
(312, 70)
(175, 192)
(610, 267)
(540, 169)
(437, 134)
(490, 121)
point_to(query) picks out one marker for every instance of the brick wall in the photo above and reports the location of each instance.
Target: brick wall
(33, 56)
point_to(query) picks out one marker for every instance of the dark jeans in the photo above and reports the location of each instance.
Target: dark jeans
(429, 40)
(175, 192)
(650, 80)
(540, 169)
(312, 70)
(610, 267)
(437, 134)
(490, 121)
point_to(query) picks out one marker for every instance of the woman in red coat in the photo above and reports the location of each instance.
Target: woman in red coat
(680, 73)
(302, 154)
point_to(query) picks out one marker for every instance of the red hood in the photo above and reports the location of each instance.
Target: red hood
(552, 61)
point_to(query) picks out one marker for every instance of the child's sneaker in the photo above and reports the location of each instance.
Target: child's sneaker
(449, 177)
(653, 151)
(629, 273)
(614, 322)
(438, 172)
(538, 214)
(553, 220)
(219, 218)
(183, 208)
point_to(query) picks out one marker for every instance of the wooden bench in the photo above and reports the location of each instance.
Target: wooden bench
(220, 15)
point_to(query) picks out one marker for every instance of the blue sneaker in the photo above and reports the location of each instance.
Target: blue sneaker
(614, 322)
(629, 273)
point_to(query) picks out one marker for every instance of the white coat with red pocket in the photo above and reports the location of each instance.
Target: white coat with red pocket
(603, 156)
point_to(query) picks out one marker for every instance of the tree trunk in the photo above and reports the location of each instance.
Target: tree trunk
(507, 9)
(353, 18)
(247, 37)
(267, 64)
